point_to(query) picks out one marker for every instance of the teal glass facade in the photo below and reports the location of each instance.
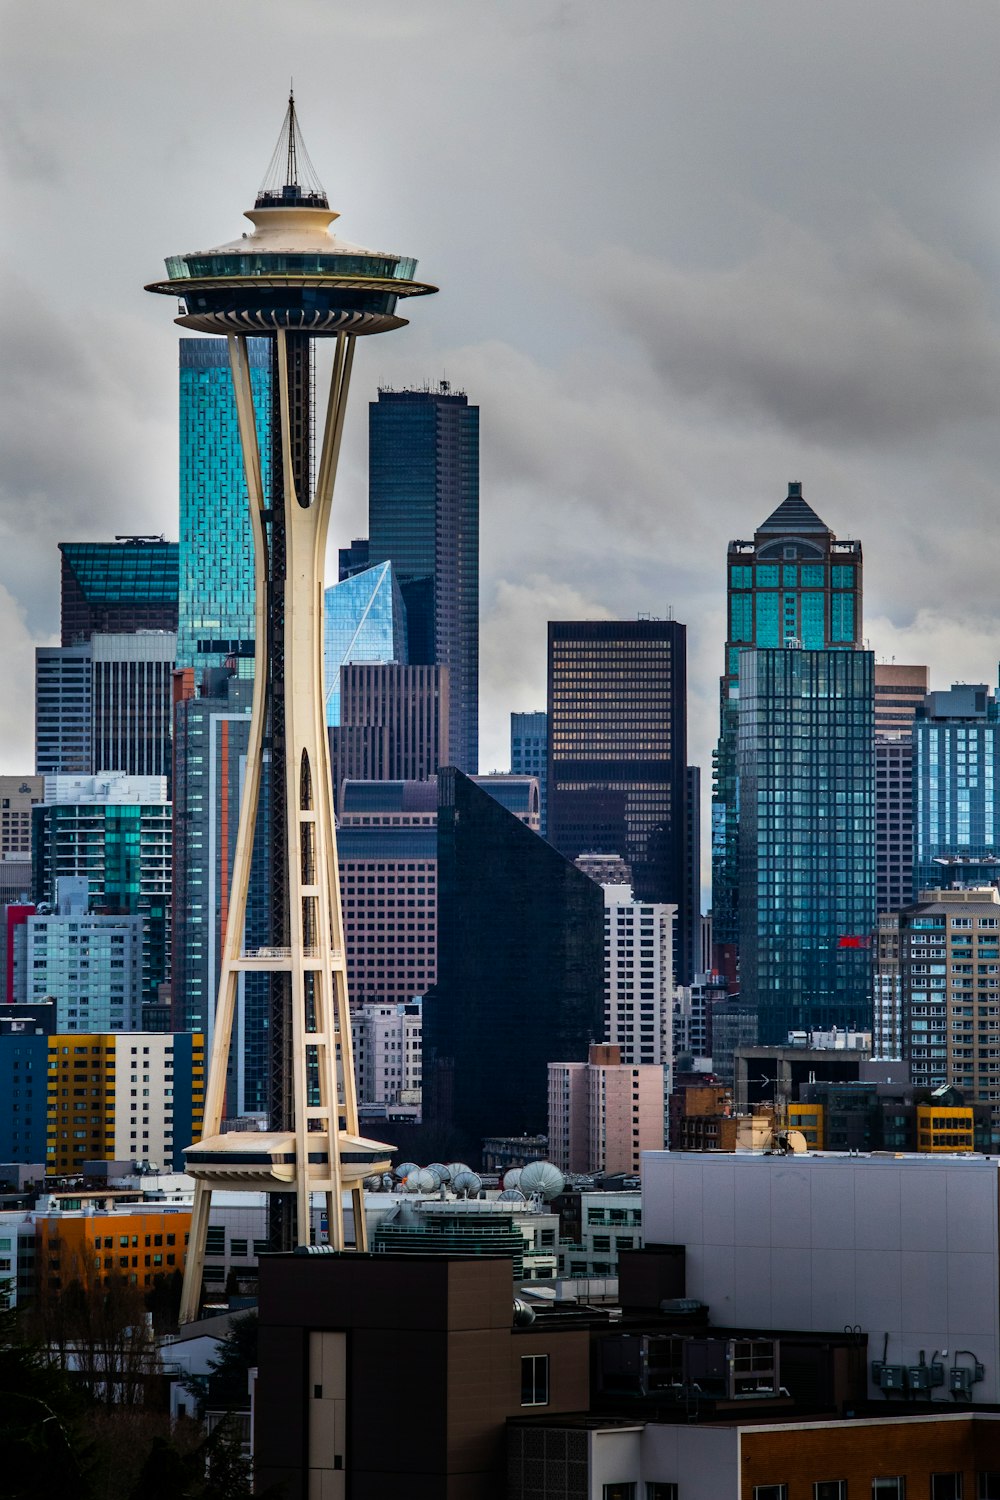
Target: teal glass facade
(806, 766)
(956, 789)
(364, 620)
(114, 587)
(423, 468)
(795, 581)
(216, 576)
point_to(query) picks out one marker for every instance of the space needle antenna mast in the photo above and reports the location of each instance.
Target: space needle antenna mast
(292, 280)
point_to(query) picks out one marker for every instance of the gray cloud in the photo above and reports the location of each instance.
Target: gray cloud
(872, 338)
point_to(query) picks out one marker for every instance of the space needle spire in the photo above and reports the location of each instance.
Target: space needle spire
(290, 281)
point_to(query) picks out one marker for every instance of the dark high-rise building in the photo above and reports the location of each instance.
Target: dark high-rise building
(424, 519)
(352, 559)
(520, 967)
(806, 769)
(617, 763)
(393, 723)
(111, 588)
(793, 582)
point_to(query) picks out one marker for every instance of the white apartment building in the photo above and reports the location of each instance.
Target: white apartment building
(388, 1060)
(638, 977)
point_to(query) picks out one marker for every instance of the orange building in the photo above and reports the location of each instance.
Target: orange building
(140, 1243)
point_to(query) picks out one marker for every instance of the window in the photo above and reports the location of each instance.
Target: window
(623, 1490)
(770, 1492)
(830, 1489)
(534, 1380)
(988, 1485)
(946, 1487)
(889, 1489)
(658, 1489)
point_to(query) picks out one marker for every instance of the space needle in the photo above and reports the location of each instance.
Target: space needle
(291, 280)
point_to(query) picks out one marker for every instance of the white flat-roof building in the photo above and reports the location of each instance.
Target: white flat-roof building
(906, 1248)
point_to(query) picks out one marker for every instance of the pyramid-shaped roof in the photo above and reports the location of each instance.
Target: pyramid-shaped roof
(794, 517)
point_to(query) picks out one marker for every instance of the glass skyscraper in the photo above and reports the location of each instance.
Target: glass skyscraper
(212, 716)
(529, 752)
(364, 620)
(216, 577)
(806, 767)
(424, 519)
(793, 582)
(956, 787)
(114, 587)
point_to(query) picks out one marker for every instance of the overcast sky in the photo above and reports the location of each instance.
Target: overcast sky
(687, 249)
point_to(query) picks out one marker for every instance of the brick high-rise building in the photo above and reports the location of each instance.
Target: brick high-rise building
(604, 1112)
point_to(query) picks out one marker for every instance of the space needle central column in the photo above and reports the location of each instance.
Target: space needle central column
(290, 281)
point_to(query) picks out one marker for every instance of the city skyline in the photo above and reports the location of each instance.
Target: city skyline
(601, 497)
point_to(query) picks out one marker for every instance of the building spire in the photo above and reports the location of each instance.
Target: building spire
(290, 178)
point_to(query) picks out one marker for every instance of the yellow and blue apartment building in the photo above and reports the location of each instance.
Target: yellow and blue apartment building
(123, 1096)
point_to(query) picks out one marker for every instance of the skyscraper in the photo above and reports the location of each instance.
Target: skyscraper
(529, 753)
(114, 588)
(105, 704)
(806, 838)
(364, 620)
(216, 578)
(793, 582)
(424, 519)
(956, 788)
(387, 848)
(617, 761)
(520, 968)
(393, 723)
(213, 692)
(899, 692)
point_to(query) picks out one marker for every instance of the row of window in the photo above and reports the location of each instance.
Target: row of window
(943, 1487)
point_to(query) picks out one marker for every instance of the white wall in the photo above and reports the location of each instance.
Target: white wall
(901, 1245)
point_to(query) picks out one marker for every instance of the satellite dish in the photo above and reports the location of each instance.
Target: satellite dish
(424, 1181)
(512, 1178)
(454, 1168)
(435, 1174)
(405, 1168)
(443, 1172)
(374, 1184)
(467, 1182)
(540, 1179)
(511, 1195)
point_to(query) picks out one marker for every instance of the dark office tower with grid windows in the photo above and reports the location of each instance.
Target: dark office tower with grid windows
(793, 582)
(617, 762)
(424, 519)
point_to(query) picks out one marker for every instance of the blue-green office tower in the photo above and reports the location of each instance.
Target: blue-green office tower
(956, 789)
(806, 852)
(423, 497)
(215, 645)
(794, 581)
